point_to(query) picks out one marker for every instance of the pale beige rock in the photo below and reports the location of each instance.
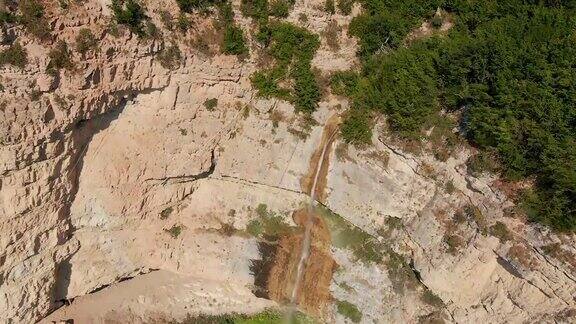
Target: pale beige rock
(88, 169)
(46, 82)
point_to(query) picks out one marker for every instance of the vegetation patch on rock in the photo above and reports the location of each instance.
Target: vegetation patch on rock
(269, 316)
(349, 310)
(15, 55)
(268, 224)
(292, 49)
(345, 235)
(60, 58)
(129, 13)
(85, 41)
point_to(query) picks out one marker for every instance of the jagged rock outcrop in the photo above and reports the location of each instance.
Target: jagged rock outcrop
(43, 140)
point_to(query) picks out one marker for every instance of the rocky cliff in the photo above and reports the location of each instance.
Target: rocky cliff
(117, 179)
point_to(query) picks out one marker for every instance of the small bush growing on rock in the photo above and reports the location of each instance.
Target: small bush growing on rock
(344, 83)
(113, 29)
(292, 48)
(436, 317)
(267, 86)
(60, 58)
(332, 35)
(268, 224)
(306, 89)
(501, 231)
(174, 231)
(449, 187)
(234, 42)
(151, 31)
(211, 104)
(85, 41)
(329, 7)
(246, 112)
(254, 228)
(279, 8)
(436, 21)
(60, 102)
(345, 6)
(32, 17)
(184, 23)
(520, 254)
(484, 161)
(556, 251)
(473, 213)
(170, 57)
(188, 5)
(225, 13)
(432, 299)
(35, 95)
(363, 246)
(454, 243)
(394, 223)
(166, 19)
(64, 4)
(14, 55)
(7, 17)
(164, 214)
(276, 117)
(349, 311)
(191, 5)
(356, 129)
(257, 9)
(129, 13)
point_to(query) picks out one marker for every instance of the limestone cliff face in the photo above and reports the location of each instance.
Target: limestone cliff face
(43, 138)
(117, 168)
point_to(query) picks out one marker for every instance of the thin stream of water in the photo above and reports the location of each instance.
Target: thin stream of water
(306, 242)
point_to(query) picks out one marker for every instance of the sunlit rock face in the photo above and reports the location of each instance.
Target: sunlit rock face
(123, 192)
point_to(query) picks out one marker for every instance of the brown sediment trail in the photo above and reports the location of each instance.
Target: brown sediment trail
(328, 137)
(278, 277)
(313, 294)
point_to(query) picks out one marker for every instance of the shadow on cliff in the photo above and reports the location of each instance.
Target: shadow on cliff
(83, 132)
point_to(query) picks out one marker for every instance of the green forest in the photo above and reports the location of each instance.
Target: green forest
(508, 68)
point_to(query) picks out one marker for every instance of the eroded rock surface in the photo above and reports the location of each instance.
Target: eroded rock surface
(119, 170)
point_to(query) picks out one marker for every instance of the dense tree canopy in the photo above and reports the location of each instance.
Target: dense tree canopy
(508, 66)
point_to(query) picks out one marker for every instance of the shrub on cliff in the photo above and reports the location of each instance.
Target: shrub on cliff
(345, 6)
(7, 17)
(234, 41)
(279, 8)
(32, 17)
(170, 57)
(60, 58)
(85, 41)
(129, 13)
(191, 5)
(349, 311)
(356, 128)
(211, 104)
(14, 55)
(329, 7)
(292, 48)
